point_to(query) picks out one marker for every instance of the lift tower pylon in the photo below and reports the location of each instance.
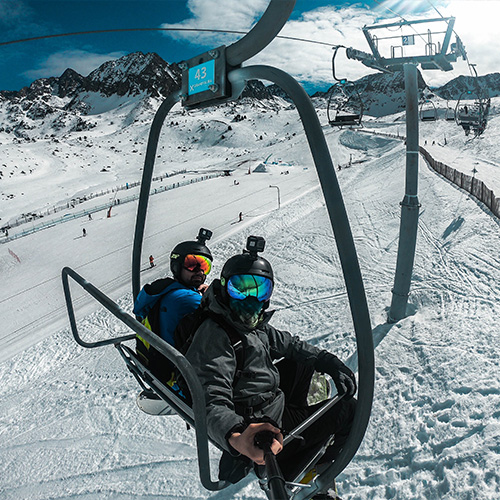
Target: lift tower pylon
(405, 55)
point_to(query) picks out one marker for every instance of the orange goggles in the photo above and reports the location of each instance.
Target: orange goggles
(194, 262)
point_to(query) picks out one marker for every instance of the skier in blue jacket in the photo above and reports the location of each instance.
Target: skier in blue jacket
(162, 304)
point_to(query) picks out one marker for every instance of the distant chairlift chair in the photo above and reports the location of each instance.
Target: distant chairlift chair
(345, 107)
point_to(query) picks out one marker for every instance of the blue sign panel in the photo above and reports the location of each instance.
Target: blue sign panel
(409, 40)
(201, 77)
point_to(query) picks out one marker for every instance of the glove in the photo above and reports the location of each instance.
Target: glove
(343, 378)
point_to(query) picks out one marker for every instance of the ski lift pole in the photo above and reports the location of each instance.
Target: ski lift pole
(279, 201)
(410, 205)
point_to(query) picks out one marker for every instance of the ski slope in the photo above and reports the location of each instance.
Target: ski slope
(69, 425)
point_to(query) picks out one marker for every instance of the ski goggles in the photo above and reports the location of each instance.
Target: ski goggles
(194, 262)
(241, 286)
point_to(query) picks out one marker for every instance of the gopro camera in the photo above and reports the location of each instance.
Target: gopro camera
(204, 235)
(255, 244)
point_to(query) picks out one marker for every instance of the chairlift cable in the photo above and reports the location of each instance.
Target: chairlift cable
(118, 30)
(456, 34)
(435, 8)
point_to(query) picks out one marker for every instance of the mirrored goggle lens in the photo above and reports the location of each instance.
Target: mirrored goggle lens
(193, 262)
(242, 286)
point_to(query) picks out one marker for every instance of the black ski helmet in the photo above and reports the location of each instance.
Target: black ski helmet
(197, 247)
(248, 262)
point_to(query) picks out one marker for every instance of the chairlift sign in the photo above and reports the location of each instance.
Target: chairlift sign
(201, 77)
(408, 40)
(204, 80)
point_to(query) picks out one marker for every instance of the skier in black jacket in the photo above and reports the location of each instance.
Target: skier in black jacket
(262, 395)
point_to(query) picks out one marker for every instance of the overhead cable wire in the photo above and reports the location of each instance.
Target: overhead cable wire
(117, 30)
(435, 8)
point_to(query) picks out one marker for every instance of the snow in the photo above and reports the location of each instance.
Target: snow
(69, 425)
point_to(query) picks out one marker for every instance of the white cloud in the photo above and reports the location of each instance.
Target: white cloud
(306, 61)
(235, 15)
(81, 61)
(312, 62)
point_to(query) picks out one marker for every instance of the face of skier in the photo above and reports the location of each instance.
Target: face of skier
(194, 270)
(247, 295)
(193, 278)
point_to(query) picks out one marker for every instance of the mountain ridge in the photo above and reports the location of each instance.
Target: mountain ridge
(66, 103)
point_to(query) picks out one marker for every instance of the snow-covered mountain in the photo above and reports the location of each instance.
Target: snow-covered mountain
(53, 106)
(489, 86)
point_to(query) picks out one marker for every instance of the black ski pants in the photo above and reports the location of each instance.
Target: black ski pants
(295, 380)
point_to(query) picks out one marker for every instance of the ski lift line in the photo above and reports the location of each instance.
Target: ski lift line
(442, 17)
(433, 6)
(118, 30)
(455, 33)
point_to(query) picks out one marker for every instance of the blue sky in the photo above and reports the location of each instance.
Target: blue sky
(330, 21)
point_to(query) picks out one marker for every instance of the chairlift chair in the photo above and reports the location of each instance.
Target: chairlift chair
(473, 107)
(428, 111)
(231, 57)
(471, 112)
(345, 107)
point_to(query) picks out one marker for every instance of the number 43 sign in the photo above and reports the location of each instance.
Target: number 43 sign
(204, 79)
(201, 77)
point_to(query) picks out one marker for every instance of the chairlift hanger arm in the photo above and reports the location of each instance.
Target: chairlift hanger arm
(335, 50)
(263, 33)
(347, 253)
(147, 175)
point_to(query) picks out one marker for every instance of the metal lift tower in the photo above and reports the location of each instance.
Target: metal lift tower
(403, 46)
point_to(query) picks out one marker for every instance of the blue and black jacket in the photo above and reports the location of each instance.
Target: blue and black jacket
(160, 306)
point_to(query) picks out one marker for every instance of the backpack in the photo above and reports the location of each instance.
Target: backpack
(183, 335)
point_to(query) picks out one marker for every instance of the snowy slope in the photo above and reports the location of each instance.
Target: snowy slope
(69, 426)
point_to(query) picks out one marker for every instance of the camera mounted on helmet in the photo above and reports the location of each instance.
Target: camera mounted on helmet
(204, 235)
(250, 264)
(255, 244)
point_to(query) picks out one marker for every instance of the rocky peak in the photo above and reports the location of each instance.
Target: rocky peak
(489, 85)
(133, 74)
(68, 83)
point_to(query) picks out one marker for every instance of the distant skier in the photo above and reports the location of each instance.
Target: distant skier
(240, 216)
(90, 216)
(151, 261)
(84, 232)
